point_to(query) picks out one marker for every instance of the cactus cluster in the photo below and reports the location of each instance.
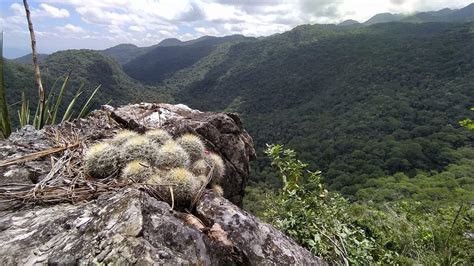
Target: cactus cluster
(177, 169)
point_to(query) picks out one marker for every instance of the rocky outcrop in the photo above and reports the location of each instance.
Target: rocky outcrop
(223, 134)
(128, 224)
(131, 227)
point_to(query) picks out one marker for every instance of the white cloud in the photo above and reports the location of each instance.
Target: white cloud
(69, 28)
(207, 31)
(17, 9)
(55, 12)
(137, 28)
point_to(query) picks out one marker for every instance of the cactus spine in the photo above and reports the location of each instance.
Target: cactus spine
(158, 136)
(137, 171)
(137, 148)
(101, 160)
(192, 145)
(171, 155)
(122, 137)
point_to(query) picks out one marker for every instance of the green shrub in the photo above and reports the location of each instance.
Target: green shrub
(315, 218)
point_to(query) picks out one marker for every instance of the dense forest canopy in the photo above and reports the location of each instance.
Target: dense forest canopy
(357, 103)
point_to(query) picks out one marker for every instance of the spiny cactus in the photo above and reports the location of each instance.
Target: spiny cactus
(171, 155)
(203, 179)
(218, 190)
(158, 136)
(137, 171)
(200, 167)
(157, 178)
(216, 165)
(193, 145)
(138, 148)
(184, 184)
(159, 161)
(123, 136)
(101, 160)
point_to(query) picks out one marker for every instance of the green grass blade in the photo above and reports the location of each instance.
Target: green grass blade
(85, 108)
(58, 100)
(36, 120)
(24, 111)
(67, 115)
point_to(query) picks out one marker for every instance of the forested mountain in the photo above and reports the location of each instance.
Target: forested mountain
(161, 61)
(384, 18)
(87, 69)
(465, 14)
(357, 102)
(123, 53)
(349, 22)
(28, 60)
(375, 106)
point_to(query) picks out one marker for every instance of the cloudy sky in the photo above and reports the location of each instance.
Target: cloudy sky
(98, 24)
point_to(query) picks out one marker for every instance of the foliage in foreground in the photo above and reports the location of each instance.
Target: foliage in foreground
(51, 108)
(424, 222)
(315, 218)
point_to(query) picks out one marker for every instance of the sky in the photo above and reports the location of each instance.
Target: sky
(99, 24)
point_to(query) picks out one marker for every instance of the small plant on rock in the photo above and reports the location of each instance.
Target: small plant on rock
(192, 145)
(200, 167)
(176, 170)
(137, 148)
(137, 171)
(171, 155)
(123, 136)
(102, 160)
(158, 136)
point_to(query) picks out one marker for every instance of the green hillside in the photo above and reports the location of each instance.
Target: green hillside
(124, 53)
(356, 102)
(87, 68)
(28, 60)
(465, 14)
(162, 61)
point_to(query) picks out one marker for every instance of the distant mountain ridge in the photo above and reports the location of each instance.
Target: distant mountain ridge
(159, 62)
(28, 59)
(125, 53)
(465, 14)
(349, 22)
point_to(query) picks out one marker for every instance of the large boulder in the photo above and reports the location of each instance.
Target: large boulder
(223, 134)
(131, 227)
(55, 223)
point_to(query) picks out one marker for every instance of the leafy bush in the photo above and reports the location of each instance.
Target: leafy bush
(396, 220)
(315, 218)
(405, 233)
